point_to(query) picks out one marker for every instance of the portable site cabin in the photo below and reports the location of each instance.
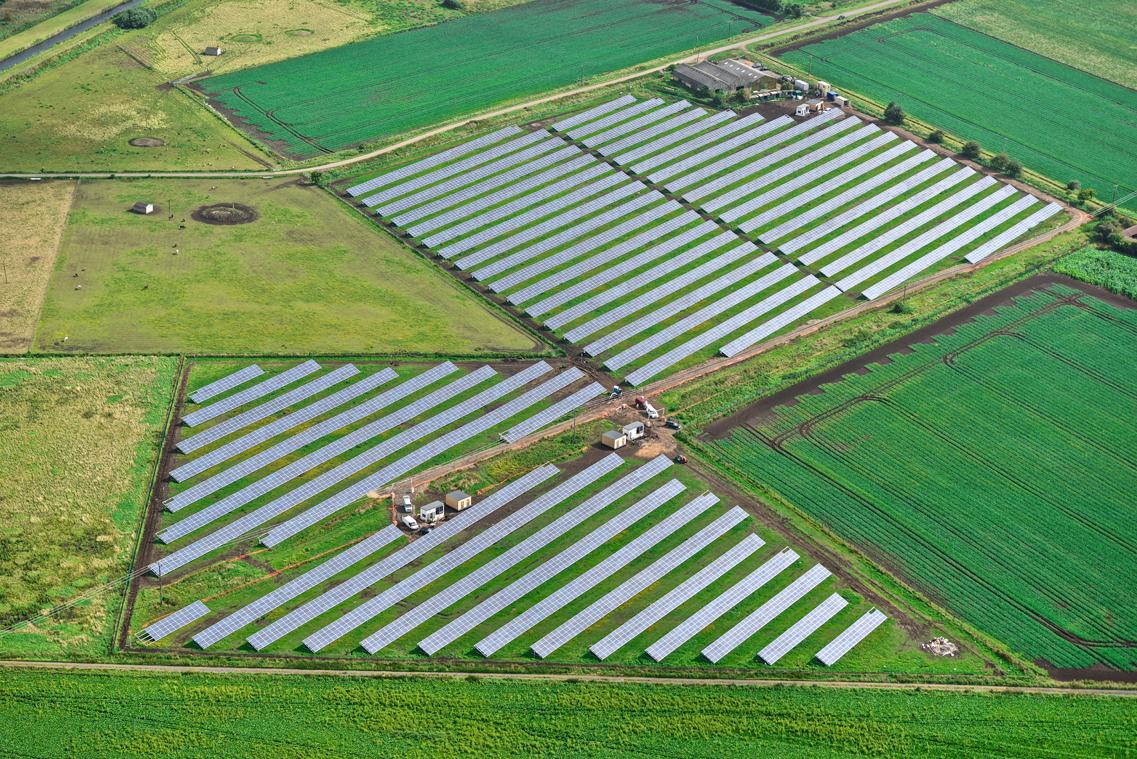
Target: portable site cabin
(841, 101)
(458, 500)
(143, 208)
(432, 512)
(634, 431)
(814, 104)
(614, 439)
(801, 110)
(823, 87)
(801, 85)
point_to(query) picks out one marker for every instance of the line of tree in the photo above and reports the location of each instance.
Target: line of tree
(781, 7)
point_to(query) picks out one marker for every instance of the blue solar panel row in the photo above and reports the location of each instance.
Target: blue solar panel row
(625, 113)
(851, 636)
(802, 629)
(436, 604)
(664, 126)
(684, 142)
(225, 383)
(682, 136)
(1014, 232)
(593, 113)
(256, 391)
(651, 117)
(710, 145)
(310, 435)
(383, 568)
(784, 319)
(553, 413)
(296, 587)
(176, 621)
(218, 431)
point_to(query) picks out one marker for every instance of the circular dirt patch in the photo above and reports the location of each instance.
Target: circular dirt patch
(147, 142)
(299, 32)
(225, 213)
(245, 38)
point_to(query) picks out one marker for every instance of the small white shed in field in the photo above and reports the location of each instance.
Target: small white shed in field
(143, 208)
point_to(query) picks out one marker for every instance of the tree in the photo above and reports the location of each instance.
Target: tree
(1086, 194)
(937, 137)
(970, 149)
(1013, 169)
(719, 99)
(894, 114)
(742, 95)
(135, 18)
(318, 177)
(999, 161)
(793, 10)
(1073, 185)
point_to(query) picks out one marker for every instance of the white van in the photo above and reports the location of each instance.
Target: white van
(410, 522)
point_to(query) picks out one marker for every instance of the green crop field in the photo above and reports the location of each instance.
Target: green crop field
(336, 98)
(305, 276)
(1114, 271)
(1057, 120)
(993, 470)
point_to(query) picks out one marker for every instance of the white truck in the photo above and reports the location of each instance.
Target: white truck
(651, 412)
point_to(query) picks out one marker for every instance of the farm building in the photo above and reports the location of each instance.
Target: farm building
(458, 500)
(143, 207)
(756, 81)
(614, 439)
(213, 51)
(707, 76)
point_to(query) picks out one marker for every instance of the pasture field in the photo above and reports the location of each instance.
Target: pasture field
(1096, 38)
(1114, 271)
(305, 276)
(32, 219)
(1057, 136)
(330, 100)
(80, 439)
(124, 714)
(32, 22)
(988, 468)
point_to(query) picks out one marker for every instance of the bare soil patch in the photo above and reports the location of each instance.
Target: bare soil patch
(866, 21)
(225, 214)
(147, 142)
(299, 32)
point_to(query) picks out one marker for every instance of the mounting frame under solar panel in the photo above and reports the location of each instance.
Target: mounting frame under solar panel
(850, 637)
(802, 629)
(225, 383)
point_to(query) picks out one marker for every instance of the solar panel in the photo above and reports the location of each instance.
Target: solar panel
(294, 588)
(876, 201)
(625, 113)
(218, 431)
(802, 170)
(553, 413)
(434, 448)
(710, 145)
(624, 634)
(641, 581)
(753, 160)
(785, 319)
(911, 225)
(277, 426)
(593, 113)
(580, 585)
(310, 435)
(450, 170)
(256, 391)
(821, 210)
(432, 606)
(225, 383)
(737, 593)
(664, 126)
(802, 629)
(765, 613)
(463, 204)
(315, 486)
(677, 306)
(543, 144)
(432, 161)
(405, 555)
(176, 621)
(885, 217)
(1009, 236)
(926, 238)
(611, 254)
(608, 135)
(715, 308)
(329, 452)
(500, 600)
(637, 281)
(682, 136)
(850, 637)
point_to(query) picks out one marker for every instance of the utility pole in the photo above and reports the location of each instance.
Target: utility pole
(161, 586)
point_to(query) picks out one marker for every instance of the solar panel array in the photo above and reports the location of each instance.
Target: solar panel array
(704, 123)
(576, 587)
(707, 147)
(623, 114)
(296, 587)
(784, 319)
(622, 635)
(229, 426)
(1019, 229)
(612, 133)
(333, 450)
(437, 603)
(310, 435)
(215, 410)
(765, 613)
(732, 597)
(641, 581)
(850, 636)
(225, 383)
(593, 113)
(278, 426)
(553, 413)
(664, 126)
(802, 629)
(176, 621)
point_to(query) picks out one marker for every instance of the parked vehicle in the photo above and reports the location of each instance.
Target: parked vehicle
(408, 506)
(680, 459)
(651, 412)
(671, 424)
(425, 529)
(410, 523)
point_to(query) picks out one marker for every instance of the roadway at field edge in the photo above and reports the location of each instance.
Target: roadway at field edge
(819, 21)
(171, 669)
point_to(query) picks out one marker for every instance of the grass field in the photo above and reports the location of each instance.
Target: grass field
(306, 276)
(373, 89)
(1096, 37)
(32, 218)
(37, 21)
(989, 475)
(1078, 131)
(80, 438)
(1114, 271)
(57, 714)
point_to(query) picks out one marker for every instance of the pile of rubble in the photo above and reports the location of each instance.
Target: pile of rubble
(940, 647)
